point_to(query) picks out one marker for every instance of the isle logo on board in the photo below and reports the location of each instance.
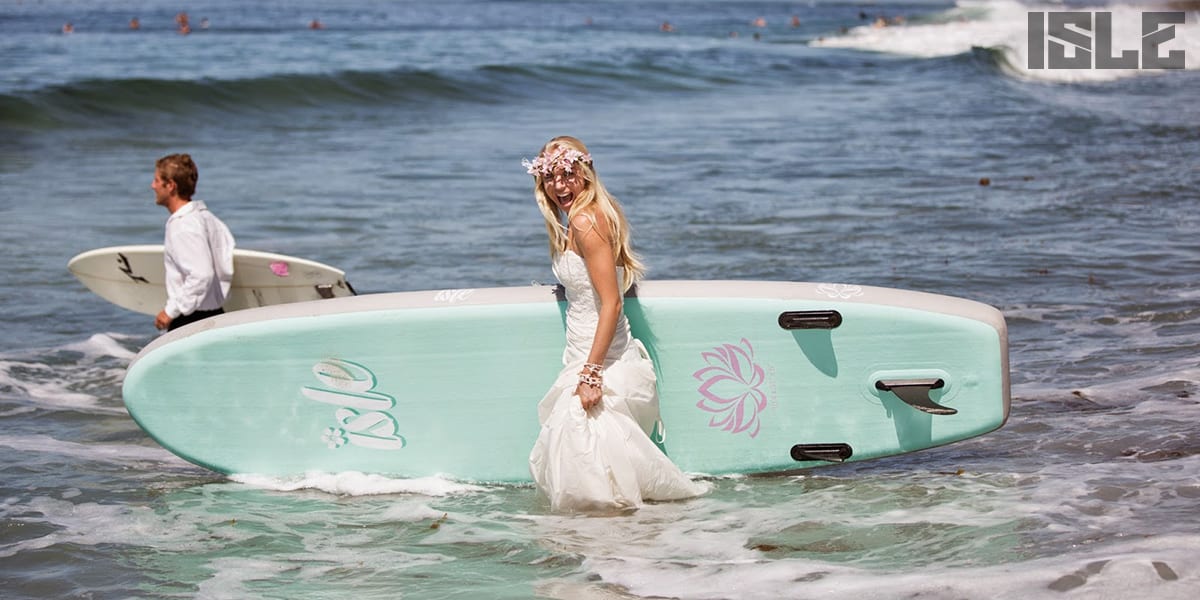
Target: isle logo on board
(361, 418)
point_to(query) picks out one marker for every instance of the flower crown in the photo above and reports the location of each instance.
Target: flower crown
(561, 157)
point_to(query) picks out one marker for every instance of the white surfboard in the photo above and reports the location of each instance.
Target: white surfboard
(133, 277)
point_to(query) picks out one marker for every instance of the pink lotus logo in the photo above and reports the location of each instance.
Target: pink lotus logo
(730, 388)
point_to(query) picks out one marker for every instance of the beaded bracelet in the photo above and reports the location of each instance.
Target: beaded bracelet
(590, 380)
(592, 375)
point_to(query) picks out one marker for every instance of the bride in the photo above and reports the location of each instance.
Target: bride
(594, 452)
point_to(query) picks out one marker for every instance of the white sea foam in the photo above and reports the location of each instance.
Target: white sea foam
(911, 535)
(325, 560)
(712, 547)
(230, 575)
(1164, 568)
(20, 410)
(198, 529)
(109, 453)
(1004, 25)
(52, 382)
(414, 511)
(713, 554)
(353, 483)
(48, 391)
(1129, 384)
(103, 345)
(85, 524)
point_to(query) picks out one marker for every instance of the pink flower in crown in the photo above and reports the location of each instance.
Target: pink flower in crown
(730, 388)
(560, 157)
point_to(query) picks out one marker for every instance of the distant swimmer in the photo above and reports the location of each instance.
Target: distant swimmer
(795, 21)
(135, 24)
(760, 22)
(316, 24)
(68, 28)
(667, 27)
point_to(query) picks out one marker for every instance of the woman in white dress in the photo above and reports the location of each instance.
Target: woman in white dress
(594, 452)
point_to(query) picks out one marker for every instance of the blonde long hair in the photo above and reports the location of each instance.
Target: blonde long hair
(594, 198)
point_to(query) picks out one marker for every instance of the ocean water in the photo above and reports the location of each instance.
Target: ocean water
(389, 144)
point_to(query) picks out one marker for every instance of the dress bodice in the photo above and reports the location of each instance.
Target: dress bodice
(583, 308)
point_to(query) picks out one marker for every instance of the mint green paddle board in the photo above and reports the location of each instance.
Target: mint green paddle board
(754, 377)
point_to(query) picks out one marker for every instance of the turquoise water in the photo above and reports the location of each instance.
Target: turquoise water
(389, 144)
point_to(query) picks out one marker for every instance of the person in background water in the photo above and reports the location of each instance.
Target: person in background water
(197, 247)
(594, 452)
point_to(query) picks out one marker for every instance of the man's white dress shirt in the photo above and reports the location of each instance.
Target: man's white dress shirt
(198, 256)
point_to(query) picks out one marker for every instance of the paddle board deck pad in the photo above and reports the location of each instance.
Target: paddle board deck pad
(133, 277)
(754, 377)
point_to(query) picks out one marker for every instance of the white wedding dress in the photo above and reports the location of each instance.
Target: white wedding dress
(602, 460)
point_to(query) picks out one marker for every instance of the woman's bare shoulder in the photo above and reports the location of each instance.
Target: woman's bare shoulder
(588, 220)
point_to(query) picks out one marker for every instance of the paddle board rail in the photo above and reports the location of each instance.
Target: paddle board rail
(706, 289)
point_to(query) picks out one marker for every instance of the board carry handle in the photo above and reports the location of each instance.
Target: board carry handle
(826, 452)
(325, 290)
(915, 393)
(810, 319)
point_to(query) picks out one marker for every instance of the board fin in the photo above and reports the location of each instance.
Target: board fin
(915, 393)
